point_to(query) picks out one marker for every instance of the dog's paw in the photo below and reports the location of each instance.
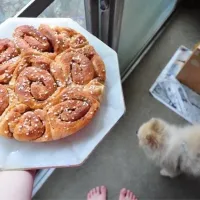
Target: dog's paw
(164, 172)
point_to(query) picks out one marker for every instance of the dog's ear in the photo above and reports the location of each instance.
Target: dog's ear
(152, 141)
(155, 124)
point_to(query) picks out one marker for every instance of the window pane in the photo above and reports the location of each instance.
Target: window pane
(73, 9)
(141, 20)
(8, 8)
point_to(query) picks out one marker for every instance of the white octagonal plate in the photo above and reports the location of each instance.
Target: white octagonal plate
(74, 150)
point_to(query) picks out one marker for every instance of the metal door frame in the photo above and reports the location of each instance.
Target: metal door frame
(103, 19)
(34, 8)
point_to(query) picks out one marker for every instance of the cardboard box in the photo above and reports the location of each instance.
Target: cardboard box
(189, 75)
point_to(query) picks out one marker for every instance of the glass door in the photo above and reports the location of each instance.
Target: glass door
(73, 9)
(141, 20)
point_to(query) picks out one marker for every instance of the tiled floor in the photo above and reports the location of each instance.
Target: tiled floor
(118, 162)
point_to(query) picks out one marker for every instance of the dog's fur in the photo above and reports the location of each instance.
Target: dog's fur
(174, 149)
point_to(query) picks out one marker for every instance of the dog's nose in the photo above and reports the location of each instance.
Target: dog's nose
(136, 132)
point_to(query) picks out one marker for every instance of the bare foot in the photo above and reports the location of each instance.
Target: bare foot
(98, 193)
(126, 195)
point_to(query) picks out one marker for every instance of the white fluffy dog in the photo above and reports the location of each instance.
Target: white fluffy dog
(175, 149)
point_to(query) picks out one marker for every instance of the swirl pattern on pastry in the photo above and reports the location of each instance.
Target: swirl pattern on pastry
(30, 126)
(97, 62)
(8, 60)
(71, 112)
(63, 38)
(51, 83)
(72, 67)
(34, 86)
(30, 40)
(58, 36)
(23, 124)
(39, 61)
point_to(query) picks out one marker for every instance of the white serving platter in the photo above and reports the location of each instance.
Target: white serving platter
(74, 150)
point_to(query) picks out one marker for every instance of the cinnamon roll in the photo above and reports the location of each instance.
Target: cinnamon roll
(96, 60)
(39, 61)
(9, 58)
(29, 40)
(23, 124)
(34, 86)
(71, 112)
(63, 38)
(59, 37)
(72, 67)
